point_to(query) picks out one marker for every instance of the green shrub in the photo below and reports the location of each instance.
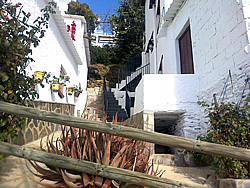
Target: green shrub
(229, 126)
(17, 38)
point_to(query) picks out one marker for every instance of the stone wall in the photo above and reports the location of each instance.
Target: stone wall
(143, 120)
(95, 102)
(135, 121)
(35, 129)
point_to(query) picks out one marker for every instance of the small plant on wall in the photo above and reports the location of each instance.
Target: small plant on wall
(76, 90)
(56, 82)
(229, 126)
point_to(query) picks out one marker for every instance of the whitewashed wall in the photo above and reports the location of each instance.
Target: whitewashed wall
(219, 41)
(52, 52)
(171, 93)
(63, 4)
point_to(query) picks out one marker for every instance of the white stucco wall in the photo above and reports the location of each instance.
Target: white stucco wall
(52, 52)
(171, 93)
(79, 33)
(219, 41)
(63, 4)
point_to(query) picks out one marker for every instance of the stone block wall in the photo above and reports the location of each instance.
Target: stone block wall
(35, 129)
(143, 120)
(135, 120)
(219, 41)
(95, 102)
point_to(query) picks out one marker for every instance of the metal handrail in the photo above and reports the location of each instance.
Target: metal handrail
(127, 104)
(105, 95)
(145, 69)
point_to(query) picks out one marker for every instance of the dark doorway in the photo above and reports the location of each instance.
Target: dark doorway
(165, 123)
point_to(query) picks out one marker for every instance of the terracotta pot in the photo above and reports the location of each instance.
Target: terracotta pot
(55, 87)
(77, 94)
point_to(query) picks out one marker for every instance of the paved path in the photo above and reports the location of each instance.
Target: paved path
(14, 173)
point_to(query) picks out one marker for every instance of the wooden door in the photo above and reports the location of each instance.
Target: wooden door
(186, 55)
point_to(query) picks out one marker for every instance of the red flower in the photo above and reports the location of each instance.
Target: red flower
(80, 91)
(7, 18)
(68, 28)
(73, 37)
(29, 15)
(17, 4)
(73, 24)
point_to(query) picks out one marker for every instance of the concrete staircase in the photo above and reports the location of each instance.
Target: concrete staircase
(113, 107)
(128, 85)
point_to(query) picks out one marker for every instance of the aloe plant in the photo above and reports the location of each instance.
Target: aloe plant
(95, 147)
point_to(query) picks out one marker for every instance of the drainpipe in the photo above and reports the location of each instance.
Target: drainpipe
(86, 43)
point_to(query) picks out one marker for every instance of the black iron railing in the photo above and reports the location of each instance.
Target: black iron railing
(127, 104)
(134, 78)
(105, 95)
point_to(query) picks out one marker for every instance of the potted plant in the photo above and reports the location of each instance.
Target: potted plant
(38, 76)
(57, 83)
(77, 91)
(70, 90)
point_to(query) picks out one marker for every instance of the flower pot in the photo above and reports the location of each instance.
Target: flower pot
(39, 76)
(55, 87)
(77, 94)
(70, 90)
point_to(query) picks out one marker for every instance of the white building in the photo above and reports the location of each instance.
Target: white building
(57, 53)
(98, 38)
(191, 45)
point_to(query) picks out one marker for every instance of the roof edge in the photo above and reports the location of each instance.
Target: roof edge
(62, 28)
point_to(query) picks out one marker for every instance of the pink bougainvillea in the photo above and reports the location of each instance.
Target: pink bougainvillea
(68, 28)
(73, 30)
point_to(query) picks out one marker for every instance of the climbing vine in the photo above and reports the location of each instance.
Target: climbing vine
(17, 38)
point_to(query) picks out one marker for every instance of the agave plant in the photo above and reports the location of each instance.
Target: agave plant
(95, 147)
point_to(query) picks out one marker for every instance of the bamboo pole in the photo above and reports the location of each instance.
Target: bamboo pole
(89, 167)
(128, 132)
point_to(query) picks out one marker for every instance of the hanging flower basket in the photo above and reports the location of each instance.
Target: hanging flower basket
(70, 90)
(39, 76)
(55, 87)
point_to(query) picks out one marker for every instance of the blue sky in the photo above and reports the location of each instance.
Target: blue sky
(101, 6)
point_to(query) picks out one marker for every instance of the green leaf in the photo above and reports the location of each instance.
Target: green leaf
(4, 76)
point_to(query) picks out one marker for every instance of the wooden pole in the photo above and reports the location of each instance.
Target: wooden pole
(88, 167)
(128, 132)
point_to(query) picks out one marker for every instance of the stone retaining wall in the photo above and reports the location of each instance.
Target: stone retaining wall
(36, 129)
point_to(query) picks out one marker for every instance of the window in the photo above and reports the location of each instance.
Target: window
(186, 56)
(151, 3)
(160, 71)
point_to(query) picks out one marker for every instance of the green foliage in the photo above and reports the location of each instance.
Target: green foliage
(228, 125)
(83, 10)
(17, 36)
(129, 25)
(103, 55)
